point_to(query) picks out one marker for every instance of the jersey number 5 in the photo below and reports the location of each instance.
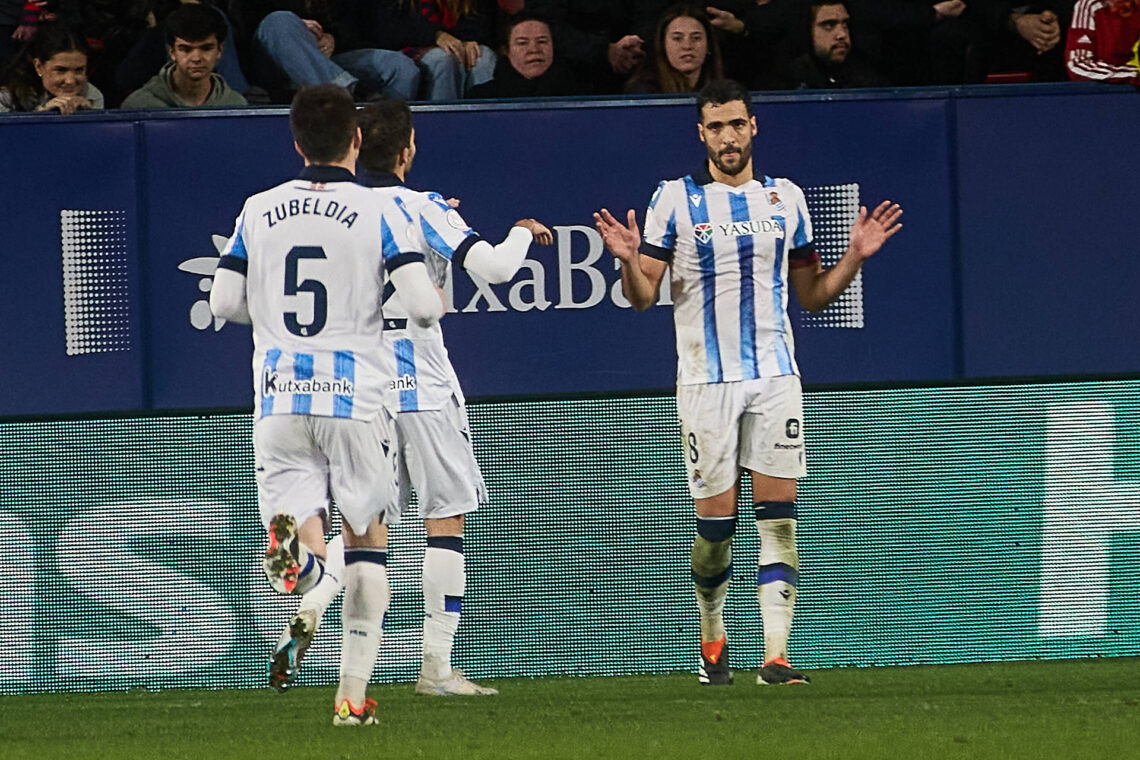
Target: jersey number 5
(316, 287)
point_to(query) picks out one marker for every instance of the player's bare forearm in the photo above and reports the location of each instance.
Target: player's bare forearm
(816, 289)
(636, 286)
(623, 240)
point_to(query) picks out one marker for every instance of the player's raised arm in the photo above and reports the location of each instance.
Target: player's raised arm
(640, 275)
(816, 288)
(227, 294)
(500, 263)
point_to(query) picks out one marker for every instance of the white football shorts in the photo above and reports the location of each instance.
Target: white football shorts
(302, 460)
(752, 424)
(437, 459)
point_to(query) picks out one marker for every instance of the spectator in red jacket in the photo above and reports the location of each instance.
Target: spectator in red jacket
(1103, 44)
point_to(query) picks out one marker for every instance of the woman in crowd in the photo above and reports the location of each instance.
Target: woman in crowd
(50, 74)
(686, 53)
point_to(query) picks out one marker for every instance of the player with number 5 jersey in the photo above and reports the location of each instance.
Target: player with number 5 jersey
(314, 250)
(307, 266)
(436, 455)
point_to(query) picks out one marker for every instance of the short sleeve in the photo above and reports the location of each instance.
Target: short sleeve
(235, 255)
(397, 248)
(802, 252)
(660, 236)
(444, 229)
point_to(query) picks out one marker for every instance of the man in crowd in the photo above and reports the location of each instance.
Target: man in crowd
(735, 239)
(195, 35)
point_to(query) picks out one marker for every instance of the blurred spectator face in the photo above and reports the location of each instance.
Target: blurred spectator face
(686, 45)
(64, 73)
(530, 48)
(195, 60)
(830, 35)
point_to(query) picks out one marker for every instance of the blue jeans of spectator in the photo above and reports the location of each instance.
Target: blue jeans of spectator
(444, 77)
(286, 47)
(384, 72)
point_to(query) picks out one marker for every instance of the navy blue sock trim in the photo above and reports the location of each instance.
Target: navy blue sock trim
(716, 529)
(365, 554)
(775, 510)
(313, 560)
(452, 543)
(705, 581)
(777, 571)
(452, 603)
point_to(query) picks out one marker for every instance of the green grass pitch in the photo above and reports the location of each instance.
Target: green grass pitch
(1033, 710)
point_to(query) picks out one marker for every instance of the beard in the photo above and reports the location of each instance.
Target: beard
(732, 169)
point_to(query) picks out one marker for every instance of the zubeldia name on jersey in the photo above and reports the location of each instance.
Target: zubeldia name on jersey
(310, 206)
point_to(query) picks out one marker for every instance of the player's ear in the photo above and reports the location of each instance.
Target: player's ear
(357, 139)
(701, 131)
(297, 147)
(752, 121)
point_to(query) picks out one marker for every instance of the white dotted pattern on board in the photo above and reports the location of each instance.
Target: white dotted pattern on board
(95, 286)
(833, 210)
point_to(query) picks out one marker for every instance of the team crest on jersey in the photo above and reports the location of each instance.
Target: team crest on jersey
(774, 199)
(695, 199)
(703, 232)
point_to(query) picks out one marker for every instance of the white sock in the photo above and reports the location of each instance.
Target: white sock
(776, 580)
(366, 595)
(712, 570)
(318, 598)
(710, 608)
(445, 580)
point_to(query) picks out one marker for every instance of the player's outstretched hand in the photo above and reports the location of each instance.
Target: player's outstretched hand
(870, 231)
(541, 232)
(622, 239)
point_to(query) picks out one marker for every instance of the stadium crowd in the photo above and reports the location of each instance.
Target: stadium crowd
(72, 54)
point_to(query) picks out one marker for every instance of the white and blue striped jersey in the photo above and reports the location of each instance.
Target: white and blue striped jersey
(416, 356)
(729, 249)
(314, 253)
